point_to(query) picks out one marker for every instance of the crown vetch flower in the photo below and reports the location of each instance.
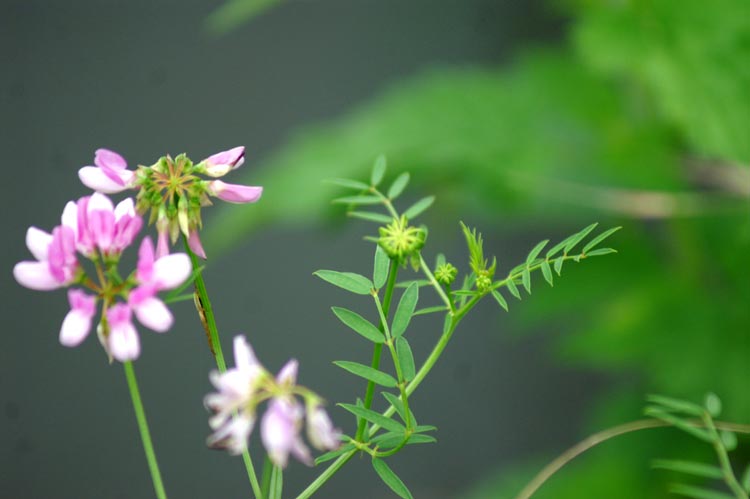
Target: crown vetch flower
(97, 229)
(171, 189)
(248, 384)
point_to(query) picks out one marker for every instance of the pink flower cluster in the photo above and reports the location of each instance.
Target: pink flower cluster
(243, 387)
(99, 231)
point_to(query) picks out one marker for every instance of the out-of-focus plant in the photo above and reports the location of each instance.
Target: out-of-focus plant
(644, 116)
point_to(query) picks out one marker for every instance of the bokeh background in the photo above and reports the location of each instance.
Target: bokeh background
(528, 119)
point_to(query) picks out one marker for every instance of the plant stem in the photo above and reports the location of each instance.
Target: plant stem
(726, 465)
(140, 416)
(438, 288)
(277, 482)
(206, 313)
(597, 438)
(328, 473)
(265, 483)
(378, 348)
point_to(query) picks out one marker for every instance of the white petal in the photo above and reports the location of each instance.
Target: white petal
(99, 201)
(75, 328)
(154, 314)
(94, 178)
(172, 270)
(35, 275)
(70, 216)
(124, 344)
(124, 207)
(288, 374)
(38, 242)
(244, 357)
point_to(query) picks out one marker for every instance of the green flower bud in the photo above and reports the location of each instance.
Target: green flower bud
(484, 282)
(446, 274)
(400, 240)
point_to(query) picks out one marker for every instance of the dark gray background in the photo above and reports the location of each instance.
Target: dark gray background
(144, 79)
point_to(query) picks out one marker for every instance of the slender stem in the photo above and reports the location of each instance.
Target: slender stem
(601, 437)
(265, 483)
(327, 474)
(426, 269)
(277, 483)
(378, 348)
(206, 313)
(721, 453)
(140, 416)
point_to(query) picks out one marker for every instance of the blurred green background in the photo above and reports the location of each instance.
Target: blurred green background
(527, 119)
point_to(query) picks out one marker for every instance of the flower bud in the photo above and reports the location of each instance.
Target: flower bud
(223, 162)
(446, 274)
(399, 240)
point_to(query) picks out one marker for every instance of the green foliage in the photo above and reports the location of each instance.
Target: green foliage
(354, 283)
(405, 310)
(367, 372)
(359, 324)
(391, 479)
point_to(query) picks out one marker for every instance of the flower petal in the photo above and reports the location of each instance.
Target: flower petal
(234, 193)
(106, 158)
(75, 328)
(288, 374)
(95, 178)
(172, 270)
(35, 275)
(154, 314)
(194, 241)
(38, 242)
(244, 357)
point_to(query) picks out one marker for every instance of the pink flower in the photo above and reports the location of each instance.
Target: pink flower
(279, 431)
(77, 323)
(223, 162)
(56, 264)
(98, 224)
(320, 429)
(234, 193)
(110, 175)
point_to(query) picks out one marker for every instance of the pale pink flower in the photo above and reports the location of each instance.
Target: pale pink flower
(194, 241)
(56, 264)
(110, 175)
(320, 430)
(221, 163)
(234, 193)
(77, 322)
(280, 431)
(98, 224)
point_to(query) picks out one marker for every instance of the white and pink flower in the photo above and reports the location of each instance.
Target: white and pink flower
(110, 175)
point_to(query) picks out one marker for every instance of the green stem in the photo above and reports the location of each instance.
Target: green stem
(426, 269)
(326, 475)
(726, 466)
(140, 416)
(277, 482)
(601, 437)
(206, 312)
(265, 483)
(410, 388)
(378, 348)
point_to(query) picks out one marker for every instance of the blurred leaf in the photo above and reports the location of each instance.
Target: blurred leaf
(405, 358)
(380, 267)
(367, 372)
(235, 13)
(349, 281)
(398, 185)
(419, 207)
(391, 479)
(500, 300)
(374, 417)
(405, 310)
(697, 492)
(378, 170)
(690, 468)
(370, 216)
(398, 404)
(359, 324)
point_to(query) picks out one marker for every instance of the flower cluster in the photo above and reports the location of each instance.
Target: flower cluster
(242, 388)
(172, 190)
(94, 228)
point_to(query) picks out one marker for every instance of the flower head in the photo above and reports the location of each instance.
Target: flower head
(171, 190)
(243, 388)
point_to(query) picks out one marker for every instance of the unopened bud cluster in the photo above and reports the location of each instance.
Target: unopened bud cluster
(401, 241)
(446, 274)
